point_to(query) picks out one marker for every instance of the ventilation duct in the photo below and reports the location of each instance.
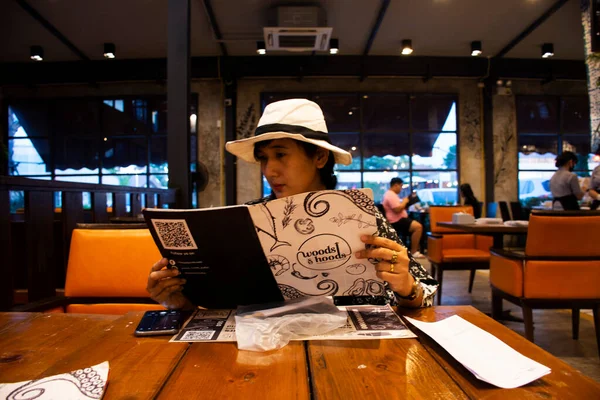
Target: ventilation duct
(297, 28)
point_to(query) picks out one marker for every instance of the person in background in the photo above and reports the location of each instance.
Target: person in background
(295, 154)
(396, 213)
(594, 190)
(469, 199)
(564, 184)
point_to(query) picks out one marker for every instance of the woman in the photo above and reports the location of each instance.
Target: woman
(564, 184)
(296, 156)
(469, 199)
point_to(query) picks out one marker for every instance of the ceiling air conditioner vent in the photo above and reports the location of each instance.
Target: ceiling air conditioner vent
(297, 28)
(297, 39)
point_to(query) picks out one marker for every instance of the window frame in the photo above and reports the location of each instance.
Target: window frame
(410, 171)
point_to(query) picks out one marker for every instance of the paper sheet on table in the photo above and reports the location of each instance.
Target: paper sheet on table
(82, 384)
(487, 357)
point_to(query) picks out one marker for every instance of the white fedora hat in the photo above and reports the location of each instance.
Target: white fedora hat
(297, 119)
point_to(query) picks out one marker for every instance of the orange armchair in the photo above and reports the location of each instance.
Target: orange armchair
(560, 268)
(448, 249)
(107, 273)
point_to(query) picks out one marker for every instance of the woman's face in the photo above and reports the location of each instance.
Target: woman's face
(288, 169)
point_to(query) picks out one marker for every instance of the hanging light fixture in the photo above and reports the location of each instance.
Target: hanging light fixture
(547, 50)
(334, 46)
(36, 53)
(407, 47)
(476, 48)
(261, 48)
(110, 50)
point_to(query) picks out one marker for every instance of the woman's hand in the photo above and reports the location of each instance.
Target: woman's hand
(393, 264)
(165, 288)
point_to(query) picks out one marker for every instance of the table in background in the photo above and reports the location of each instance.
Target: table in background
(36, 345)
(496, 231)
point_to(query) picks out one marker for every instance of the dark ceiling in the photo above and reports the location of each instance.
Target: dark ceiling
(436, 27)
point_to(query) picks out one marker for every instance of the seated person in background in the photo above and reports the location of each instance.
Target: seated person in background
(564, 184)
(469, 199)
(396, 214)
(296, 156)
(595, 185)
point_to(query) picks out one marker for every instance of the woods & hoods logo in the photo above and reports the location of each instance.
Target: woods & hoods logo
(323, 252)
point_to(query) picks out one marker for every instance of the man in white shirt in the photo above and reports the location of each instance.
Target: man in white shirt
(396, 214)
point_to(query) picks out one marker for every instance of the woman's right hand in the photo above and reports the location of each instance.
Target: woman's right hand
(166, 288)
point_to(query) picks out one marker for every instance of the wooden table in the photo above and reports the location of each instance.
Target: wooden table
(496, 231)
(34, 345)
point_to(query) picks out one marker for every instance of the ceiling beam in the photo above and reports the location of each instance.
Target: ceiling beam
(212, 20)
(554, 8)
(52, 29)
(28, 73)
(375, 29)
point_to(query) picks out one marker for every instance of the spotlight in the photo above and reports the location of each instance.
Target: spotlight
(37, 53)
(476, 48)
(407, 47)
(334, 46)
(261, 48)
(110, 51)
(547, 50)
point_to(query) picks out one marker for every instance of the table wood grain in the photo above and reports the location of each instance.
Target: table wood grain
(36, 345)
(378, 369)
(485, 229)
(564, 382)
(29, 348)
(220, 371)
(8, 320)
(139, 366)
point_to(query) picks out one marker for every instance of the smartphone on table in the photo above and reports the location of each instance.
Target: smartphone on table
(160, 322)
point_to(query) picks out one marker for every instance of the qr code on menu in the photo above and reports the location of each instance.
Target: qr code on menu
(174, 234)
(197, 335)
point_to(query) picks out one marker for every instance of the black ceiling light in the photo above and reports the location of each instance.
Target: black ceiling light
(110, 50)
(36, 53)
(334, 46)
(547, 50)
(476, 48)
(261, 48)
(407, 47)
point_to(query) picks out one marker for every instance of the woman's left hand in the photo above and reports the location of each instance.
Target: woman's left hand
(393, 264)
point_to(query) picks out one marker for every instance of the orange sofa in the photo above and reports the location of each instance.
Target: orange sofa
(107, 273)
(560, 268)
(449, 249)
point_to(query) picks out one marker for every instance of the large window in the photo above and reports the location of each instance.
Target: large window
(115, 141)
(547, 126)
(411, 136)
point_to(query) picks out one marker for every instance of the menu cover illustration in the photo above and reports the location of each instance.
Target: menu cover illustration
(301, 245)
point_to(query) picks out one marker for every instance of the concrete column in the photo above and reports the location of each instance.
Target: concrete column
(593, 69)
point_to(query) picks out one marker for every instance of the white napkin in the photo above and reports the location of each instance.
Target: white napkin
(82, 384)
(489, 221)
(516, 223)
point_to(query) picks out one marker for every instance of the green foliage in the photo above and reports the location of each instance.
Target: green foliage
(376, 162)
(530, 202)
(450, 159)
(378, 189)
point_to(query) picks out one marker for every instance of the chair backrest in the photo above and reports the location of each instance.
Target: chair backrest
(491, 210)
(564, 234)
(504, 212)
(444, 214)
(110, 263)
(516, 209)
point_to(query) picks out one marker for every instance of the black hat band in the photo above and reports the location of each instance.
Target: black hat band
(294, 129)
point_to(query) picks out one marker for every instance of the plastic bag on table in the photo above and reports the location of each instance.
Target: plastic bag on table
(265, 327)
